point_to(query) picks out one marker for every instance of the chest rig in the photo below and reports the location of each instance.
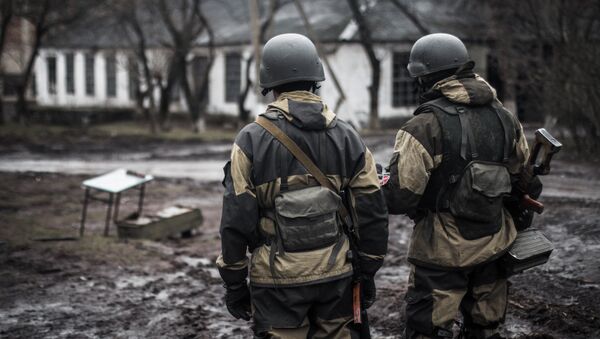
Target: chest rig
(472, 179)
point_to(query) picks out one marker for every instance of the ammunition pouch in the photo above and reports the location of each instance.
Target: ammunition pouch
(477, 199)
(307, 219)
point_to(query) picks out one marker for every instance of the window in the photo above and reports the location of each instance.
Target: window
(69, 71)
(403, 87)
(90, 86)
(51, 61)
(134, 83)
(232, 76)
(111, 75)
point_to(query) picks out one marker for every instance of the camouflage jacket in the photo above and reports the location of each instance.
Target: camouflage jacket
(418, 152)
(253, 178)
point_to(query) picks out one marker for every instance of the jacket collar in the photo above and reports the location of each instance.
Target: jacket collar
(305, 109)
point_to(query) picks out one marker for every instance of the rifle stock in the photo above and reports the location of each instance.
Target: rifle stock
(546, 145)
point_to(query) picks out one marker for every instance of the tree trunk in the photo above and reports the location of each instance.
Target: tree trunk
(22, 114)
(243, 113)
(144, 111)
(374, 94)
(367, 44)
(21, 88)
(200, 124)
(7, 14)
(191, 100)
(165, 95)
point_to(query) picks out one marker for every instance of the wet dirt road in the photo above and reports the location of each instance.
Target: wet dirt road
(205, 163)
(99, 288)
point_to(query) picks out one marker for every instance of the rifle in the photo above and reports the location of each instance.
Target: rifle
(545, 142)
(531, 248)
(359, 312)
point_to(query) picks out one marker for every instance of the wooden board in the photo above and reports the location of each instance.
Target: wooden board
(170, 221)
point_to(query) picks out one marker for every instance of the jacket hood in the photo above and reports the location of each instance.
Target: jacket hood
(304, 109)
(471, 90)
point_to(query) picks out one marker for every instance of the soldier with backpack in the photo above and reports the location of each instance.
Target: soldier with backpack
(293, 176)
(454, 163)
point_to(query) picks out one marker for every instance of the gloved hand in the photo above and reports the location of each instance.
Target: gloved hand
(369, 291)
(237, 299)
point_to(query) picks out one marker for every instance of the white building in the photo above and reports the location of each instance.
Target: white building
(88, 70)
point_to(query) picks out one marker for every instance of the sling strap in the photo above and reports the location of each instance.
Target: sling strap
(304, 159)
(312, 169)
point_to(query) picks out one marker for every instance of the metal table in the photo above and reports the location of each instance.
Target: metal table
(114, 183)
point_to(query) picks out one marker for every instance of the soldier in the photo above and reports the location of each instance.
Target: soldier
(300, 277)
(453, 164)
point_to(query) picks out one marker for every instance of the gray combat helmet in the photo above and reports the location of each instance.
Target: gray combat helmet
(436, 52)
(289, 58)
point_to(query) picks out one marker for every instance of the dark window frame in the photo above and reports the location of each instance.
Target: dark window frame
(233, 76)
(70, 73)
(51, 75)
(403, 86)
(110, 71)
(90, 74)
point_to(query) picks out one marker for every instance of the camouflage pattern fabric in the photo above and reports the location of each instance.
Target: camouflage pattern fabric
(450, 273)
(300, 292)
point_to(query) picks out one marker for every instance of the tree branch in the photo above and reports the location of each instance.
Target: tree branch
(411, 16)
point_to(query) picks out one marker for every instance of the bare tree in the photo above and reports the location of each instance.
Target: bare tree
(243, 113)
(364, 32)
(132, 18)
(411, 16)
(185, 23)
(550, 52)
(6, 14)
(46, 16)
(314, 37)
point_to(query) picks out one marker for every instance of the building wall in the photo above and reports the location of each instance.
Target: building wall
(79, 99)
(353, 70)
(348, 61)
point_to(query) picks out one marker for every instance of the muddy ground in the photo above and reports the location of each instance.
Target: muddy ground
(101, 287)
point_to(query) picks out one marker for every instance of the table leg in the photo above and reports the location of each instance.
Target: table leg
(108, 214)
(84, 212)
(117, 203)
(141, 201)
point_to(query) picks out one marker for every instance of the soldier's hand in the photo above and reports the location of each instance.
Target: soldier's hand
(369, 291)
(237, 299)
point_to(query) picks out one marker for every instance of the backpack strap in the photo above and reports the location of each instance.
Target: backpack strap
(303, 158)
(507, 126)
(466, 134)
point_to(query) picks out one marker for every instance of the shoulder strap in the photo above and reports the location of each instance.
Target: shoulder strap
(507, 126)
(302, 157)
